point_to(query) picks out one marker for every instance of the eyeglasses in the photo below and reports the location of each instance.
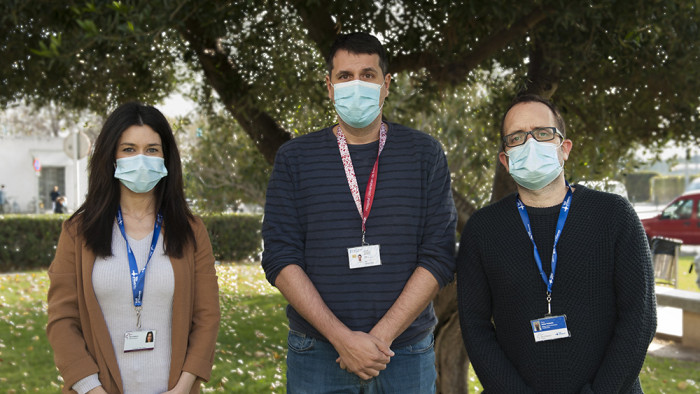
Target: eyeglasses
(540, 134)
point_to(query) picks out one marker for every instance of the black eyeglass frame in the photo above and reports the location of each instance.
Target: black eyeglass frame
(554, 130)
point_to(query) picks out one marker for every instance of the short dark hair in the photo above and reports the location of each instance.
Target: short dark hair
(358, 43)
(533, 98)
(96, 215)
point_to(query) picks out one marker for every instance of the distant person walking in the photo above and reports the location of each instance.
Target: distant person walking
(54, 195)
(59, 205)
(2, 199)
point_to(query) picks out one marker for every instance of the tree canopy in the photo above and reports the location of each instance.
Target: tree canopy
(623, 73)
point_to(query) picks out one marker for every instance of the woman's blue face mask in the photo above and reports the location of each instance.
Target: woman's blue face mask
(140, 173)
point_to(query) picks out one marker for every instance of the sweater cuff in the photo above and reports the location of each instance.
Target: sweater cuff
(86, 384)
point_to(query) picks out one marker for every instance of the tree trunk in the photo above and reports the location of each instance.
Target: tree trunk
(451, 358)
(234, 91)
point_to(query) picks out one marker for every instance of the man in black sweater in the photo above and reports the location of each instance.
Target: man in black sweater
(555, 283)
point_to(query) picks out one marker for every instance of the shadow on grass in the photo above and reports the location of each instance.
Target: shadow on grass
(251, 346)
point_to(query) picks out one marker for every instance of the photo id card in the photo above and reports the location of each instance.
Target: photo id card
(139, 340)
(364, 256)
(549, 328)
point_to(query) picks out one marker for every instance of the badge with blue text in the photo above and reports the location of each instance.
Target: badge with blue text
(550, 328)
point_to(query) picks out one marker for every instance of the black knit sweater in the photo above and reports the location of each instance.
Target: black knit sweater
(604, 284)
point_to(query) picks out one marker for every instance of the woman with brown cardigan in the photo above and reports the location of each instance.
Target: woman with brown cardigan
(133, 260)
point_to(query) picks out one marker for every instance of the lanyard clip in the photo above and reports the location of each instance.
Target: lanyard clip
(549, 304)
(138, 316)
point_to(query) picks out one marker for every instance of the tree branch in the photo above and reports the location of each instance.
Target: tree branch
(542, 74)
(234, 92)
(319, 24)
(464, 208)
(456, 71)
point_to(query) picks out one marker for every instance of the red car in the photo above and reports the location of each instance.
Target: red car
(678, 220)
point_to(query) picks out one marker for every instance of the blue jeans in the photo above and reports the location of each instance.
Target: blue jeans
(311, 369)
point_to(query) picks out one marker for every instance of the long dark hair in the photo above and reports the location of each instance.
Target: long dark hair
(96, 216)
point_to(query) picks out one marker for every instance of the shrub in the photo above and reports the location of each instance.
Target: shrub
(234, 237)
(666, 188)
(29, 241)
(639, 185)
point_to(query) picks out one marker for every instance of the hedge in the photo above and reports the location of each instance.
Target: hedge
(234, 237)
(29, 241)
(666, 188)
(638, 185)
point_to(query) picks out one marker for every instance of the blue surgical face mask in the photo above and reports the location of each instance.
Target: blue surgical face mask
(357, 102)
(140, 173)
(534, 164)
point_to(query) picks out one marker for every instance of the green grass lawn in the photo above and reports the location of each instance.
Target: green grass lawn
(251, 346)
(686, 281)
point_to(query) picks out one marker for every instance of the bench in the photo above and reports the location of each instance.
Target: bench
(689, 302)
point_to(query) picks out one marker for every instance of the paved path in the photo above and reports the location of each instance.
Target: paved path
(669, 324)
(669, 320)
(671, 349)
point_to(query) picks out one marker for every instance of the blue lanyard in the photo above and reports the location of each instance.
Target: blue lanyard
(137, 278)
(563, 213)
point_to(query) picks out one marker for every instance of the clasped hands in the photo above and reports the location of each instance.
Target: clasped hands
(363, 354)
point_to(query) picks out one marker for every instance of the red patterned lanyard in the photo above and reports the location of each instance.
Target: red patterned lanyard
(352, 179)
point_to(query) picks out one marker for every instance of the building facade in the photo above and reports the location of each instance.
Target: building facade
(31, 166)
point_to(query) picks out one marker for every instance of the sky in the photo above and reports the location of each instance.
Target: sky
(176, 105)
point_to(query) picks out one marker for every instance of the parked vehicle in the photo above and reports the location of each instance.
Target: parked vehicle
(609, 186)
(693, 185)
(679, 219)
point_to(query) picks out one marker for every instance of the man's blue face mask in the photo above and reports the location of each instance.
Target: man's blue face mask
(357, 102)
(534, 164)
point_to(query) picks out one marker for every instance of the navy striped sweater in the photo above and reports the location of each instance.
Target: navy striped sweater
(311, 219)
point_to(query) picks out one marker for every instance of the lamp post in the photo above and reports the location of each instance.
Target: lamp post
(37, 170)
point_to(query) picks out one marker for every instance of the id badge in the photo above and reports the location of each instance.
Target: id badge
(550, 328)
(364, 256)
(139, 340)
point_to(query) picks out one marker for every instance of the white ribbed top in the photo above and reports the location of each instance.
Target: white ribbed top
(143, 371)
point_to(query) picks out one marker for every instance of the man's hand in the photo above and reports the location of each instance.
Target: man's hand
(363, 354)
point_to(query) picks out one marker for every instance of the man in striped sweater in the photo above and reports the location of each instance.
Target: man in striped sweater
(359, 235)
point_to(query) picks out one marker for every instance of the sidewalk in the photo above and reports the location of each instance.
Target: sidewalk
(666, 348)
(668, 328)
